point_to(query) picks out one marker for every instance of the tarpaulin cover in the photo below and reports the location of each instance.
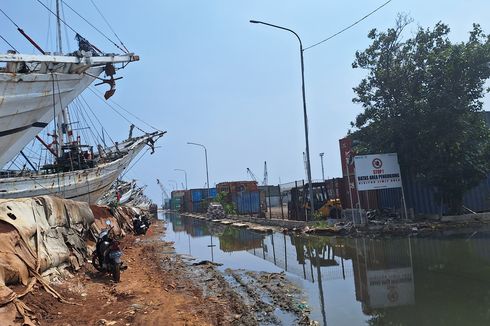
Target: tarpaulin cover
(37, 234)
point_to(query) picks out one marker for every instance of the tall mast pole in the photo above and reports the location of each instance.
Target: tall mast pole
(63, 118)
(58, 29)
(60, 119)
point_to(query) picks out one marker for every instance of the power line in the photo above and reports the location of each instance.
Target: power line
(348, 27)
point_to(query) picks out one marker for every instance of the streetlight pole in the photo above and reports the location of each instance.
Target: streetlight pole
(185, 174)
(308, 166)
(206, 157)
(323, 171)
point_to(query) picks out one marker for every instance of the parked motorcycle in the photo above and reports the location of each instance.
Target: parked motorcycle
(107, 255)
(140, 224)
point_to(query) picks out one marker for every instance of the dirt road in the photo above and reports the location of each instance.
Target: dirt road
(152, 291)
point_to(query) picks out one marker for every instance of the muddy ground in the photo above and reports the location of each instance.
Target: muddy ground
(162, 288)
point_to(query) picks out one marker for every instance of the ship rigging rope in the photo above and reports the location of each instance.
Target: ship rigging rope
(3, 38)
(90, 133)
(57, 194)
(97, 119)
(83, 105)
(135, 162)
(125, 110)
(114, 109)
(48, 33)
(100, 139)
(3, 12)
(61, 20)
(92, 25)
(77, 110)
(110, 27)
(66, 31)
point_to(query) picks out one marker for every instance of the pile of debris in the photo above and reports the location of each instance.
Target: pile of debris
(42, 236)
(397, 227)
(216, 211)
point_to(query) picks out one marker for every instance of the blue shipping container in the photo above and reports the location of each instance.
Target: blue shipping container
(213, 192)
(247, 202)
(200, 194)
(197, 207)
(196, 195)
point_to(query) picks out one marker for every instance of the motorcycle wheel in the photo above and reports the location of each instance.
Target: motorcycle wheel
(116, 273)
(96, 263)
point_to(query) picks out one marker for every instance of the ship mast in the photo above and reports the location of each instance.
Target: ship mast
(58, 28)
(63, 122)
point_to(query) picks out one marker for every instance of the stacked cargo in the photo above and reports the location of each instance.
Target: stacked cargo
(177, 200)
(196, 200)
(244, 195)
(247, 202)
(237, 186)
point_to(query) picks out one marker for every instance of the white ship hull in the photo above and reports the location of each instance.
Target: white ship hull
(30, 100)
(84, 185)
(27, 106)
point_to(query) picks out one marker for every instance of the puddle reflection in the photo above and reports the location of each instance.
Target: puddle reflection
(359, 281)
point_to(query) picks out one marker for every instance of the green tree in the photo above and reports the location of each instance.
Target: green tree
(224, 199)
(422, 98)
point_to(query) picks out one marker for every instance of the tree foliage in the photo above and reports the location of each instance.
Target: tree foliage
(422, 98)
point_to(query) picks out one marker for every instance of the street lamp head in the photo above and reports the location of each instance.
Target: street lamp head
(255, 21)
(321, 154)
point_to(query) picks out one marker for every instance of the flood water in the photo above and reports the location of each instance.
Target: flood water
(402, 281)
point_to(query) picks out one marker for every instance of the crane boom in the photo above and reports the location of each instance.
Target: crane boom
(163, 189)
(252, 175)
(265, 181)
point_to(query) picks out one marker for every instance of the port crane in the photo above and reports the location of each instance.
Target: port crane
(252, 175)
(265, 180)
(164, 192)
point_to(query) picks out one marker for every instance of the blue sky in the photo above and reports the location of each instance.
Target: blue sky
(207, 75)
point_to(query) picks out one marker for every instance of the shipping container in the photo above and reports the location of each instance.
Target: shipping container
(175, 204)
(196, 194)
(200, 194)
(199, 207)
(237, 186)
(213, 193)
(186, 204)
(247, 202)
(177, 193)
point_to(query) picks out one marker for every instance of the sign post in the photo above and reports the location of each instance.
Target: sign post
(379, 171)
